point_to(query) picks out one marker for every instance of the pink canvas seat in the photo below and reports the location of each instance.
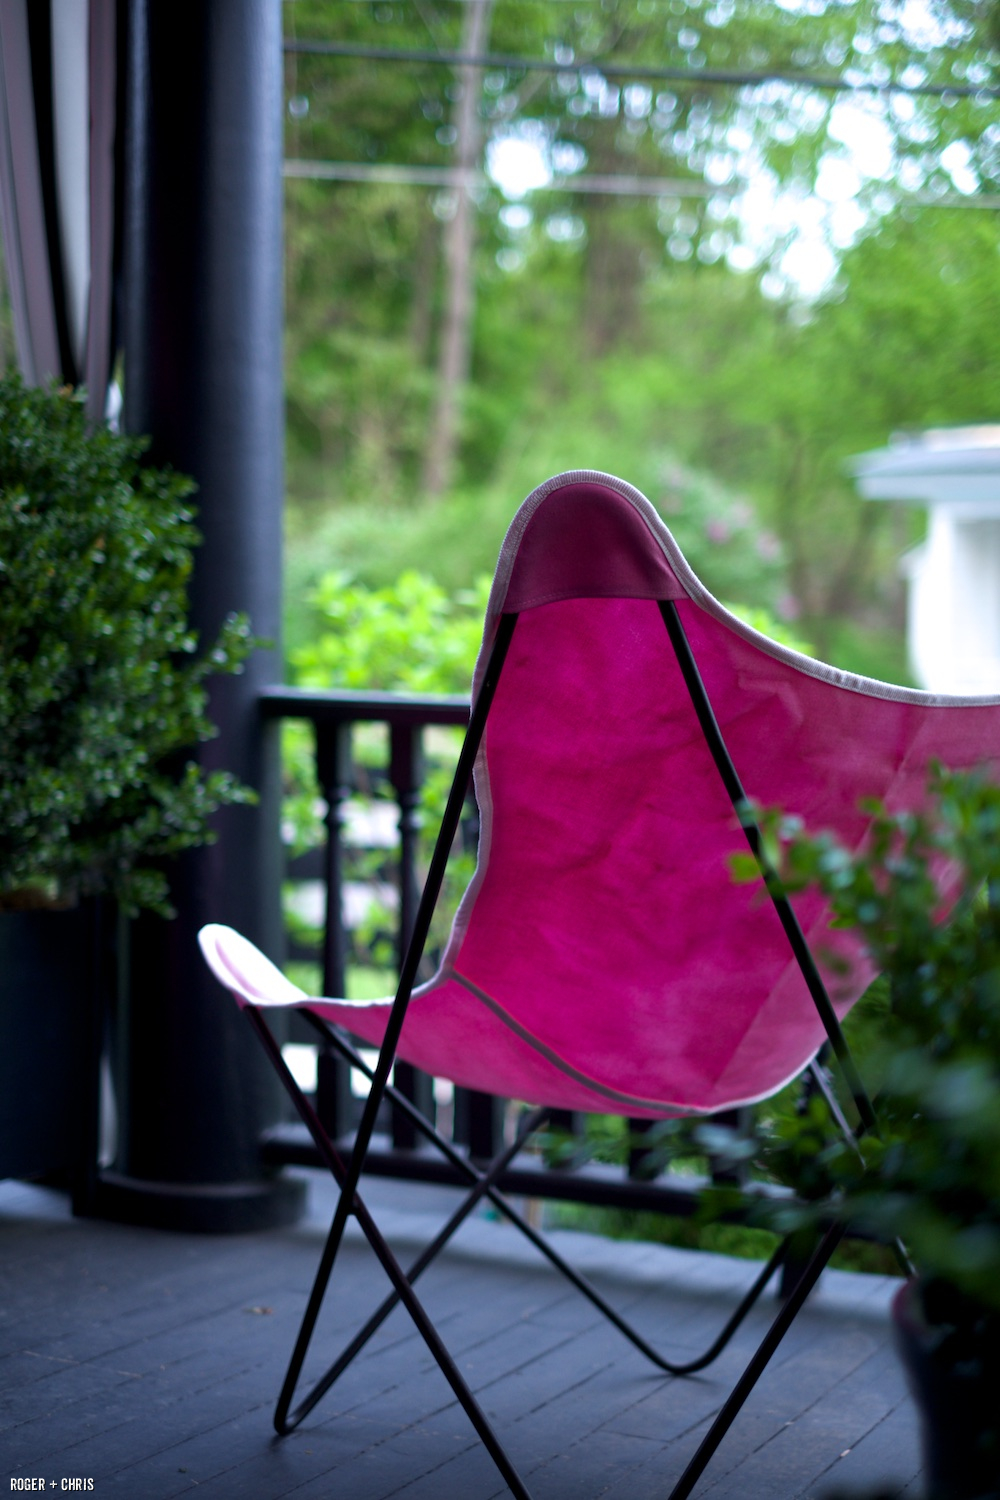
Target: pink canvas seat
(603, 958)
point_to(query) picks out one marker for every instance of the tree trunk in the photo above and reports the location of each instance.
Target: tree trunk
(459, 244)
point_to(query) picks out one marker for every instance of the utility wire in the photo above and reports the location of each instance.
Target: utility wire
(640, 71)
(613, 184)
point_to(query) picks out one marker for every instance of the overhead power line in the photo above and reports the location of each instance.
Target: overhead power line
(614, 185)
(620, 185)
(640, 72)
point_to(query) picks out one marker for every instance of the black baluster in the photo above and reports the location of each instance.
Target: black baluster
(727, 1173)
(482, 1123)
(406, 772)
(333, 772)
(643, 1162)
(566, 1129)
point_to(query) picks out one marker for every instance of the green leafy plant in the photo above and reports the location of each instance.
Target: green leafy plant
(102, 694)
(921, 893)
(410, 636)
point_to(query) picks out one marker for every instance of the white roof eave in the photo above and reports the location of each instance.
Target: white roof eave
(933, 469)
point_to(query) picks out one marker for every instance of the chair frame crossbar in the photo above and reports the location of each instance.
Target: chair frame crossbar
(482, 1180)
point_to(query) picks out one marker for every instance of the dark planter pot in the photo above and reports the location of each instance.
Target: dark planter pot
(953, 1371)
(50, 974)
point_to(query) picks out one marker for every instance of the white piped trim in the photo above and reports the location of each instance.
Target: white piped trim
(697, 592)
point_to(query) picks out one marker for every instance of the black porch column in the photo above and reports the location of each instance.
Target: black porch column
(203, 376)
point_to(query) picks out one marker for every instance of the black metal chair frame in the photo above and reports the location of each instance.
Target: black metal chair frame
(483, 1180)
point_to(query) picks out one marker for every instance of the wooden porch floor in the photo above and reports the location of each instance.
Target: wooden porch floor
(148, 1363)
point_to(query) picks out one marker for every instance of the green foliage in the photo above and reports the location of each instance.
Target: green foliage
(667, 1229)
(407, 636)
(721, 381)
(101, 683)
(620, 333)
(410, 636)
(687, 1148)
(777, 630)
(718, 528)
(920, 896)
(364, 261)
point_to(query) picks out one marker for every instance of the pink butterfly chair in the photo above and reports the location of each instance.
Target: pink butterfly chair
(602, 957)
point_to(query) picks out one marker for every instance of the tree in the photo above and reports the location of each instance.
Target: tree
(455, 351)
(780, 399)
(636, 331)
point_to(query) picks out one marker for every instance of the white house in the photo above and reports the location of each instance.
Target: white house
(954, 576)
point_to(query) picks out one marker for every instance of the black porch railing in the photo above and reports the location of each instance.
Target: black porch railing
(474, 1121)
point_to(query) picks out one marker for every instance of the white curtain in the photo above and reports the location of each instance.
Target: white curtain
(58, 120)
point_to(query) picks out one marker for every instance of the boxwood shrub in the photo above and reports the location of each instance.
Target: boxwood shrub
(102, 695)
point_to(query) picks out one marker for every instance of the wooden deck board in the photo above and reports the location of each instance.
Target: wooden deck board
(149, 1362)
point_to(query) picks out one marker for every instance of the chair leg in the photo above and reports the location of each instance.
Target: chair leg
(731, 1408)
(480, 1188)
(483, 1185)
(474, 1174)
(445, 1363)
(283, 1421)
(779, 1327)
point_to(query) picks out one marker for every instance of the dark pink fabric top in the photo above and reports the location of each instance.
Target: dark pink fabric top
(603, 958)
